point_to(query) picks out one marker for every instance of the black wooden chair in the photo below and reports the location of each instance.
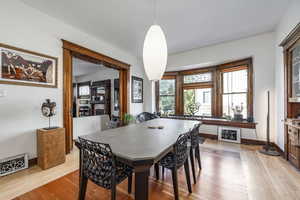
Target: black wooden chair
(98, 164)
(194, 147)
(145, 116)
(175, 160)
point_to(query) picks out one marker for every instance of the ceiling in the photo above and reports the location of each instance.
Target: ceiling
(188, 24)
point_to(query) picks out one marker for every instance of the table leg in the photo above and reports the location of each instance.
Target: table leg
(141, 184)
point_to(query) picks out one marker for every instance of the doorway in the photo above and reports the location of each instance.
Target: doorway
(71, 51)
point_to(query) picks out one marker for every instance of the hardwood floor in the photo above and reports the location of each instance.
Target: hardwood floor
(230, 171)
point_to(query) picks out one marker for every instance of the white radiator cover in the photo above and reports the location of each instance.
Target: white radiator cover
(234, 131)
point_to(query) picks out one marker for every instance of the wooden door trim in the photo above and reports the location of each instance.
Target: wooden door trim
(71, 49)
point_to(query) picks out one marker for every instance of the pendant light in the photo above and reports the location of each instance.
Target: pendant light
(155, 51)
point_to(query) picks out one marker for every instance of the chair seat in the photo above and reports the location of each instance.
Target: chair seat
(169, 161)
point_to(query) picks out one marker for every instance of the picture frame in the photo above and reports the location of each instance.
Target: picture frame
(23, 67)
(137, 90)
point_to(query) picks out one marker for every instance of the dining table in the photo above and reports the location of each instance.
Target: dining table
(143, 144)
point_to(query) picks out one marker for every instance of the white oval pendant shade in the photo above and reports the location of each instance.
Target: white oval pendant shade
(155, 53)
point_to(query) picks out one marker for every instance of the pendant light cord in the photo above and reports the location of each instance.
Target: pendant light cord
(155, 11)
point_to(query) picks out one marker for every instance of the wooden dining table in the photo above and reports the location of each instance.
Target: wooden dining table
(141, 145)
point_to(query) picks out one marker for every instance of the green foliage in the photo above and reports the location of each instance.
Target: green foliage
(128, 118)
(167, 97)
(190, 106)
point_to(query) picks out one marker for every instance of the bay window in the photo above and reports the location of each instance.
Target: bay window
(211, 91)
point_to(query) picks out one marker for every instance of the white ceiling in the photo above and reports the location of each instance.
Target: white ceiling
(188, 24)
(81, 67)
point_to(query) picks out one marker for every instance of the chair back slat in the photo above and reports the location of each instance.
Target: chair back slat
(98, 162)
(181, 149)
(194, 135)
(145, 116)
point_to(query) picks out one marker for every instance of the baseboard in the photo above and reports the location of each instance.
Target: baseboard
(278, 149)
(246, 141)
(252, 142)
(210, 136)
(32, 162)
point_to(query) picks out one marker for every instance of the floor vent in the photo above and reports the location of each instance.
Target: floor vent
(13, 164)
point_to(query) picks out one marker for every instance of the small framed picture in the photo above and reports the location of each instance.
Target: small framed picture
(136, 89)
(23, 67)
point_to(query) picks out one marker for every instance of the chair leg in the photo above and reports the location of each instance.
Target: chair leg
(82, 187)
(193, 164)
(113, 191)
(156, 166)
(129, 183)
(197, 152)
(187, 175)
(163, 173)
(175, 183)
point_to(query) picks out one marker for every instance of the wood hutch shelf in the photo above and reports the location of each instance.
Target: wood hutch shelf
(291, 50)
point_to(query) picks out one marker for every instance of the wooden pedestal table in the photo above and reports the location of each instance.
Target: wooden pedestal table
(51, 147)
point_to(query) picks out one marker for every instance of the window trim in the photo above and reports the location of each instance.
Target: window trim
(236, 66)
(215, 84)
(211, 99)
(157, 93)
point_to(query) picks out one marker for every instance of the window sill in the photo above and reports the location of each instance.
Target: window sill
(218, 121)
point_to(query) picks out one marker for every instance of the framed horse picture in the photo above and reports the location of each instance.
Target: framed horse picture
(23, 67)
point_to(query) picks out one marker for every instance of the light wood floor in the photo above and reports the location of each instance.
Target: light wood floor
(230, 171)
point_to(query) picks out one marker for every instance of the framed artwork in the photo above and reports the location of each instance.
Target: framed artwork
(23, 67)
(136, 89)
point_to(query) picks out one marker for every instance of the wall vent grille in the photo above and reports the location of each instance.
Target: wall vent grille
(13, 164)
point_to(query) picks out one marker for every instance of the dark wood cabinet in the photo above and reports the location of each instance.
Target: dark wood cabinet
(291, 51)
(101, 97)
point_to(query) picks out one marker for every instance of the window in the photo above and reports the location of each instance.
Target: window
(167, 96)
(210, 91)
(197, 78)
(197, 101)
(235, 91)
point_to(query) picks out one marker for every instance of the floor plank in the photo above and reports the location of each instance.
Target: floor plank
(230, 171)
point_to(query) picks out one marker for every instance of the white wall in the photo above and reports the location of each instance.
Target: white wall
(261, 48)
(30, 29)
(287, 23)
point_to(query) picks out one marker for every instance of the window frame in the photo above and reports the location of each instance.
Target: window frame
(215, 84)
(157, 93)
(236, 66)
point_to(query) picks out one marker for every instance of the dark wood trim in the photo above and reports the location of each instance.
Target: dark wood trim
(73, 50)
(291, 109)
(221, 122)
(197, 71)
(77, 49)
(135, 78)
(32, 162)
(230, 123)
(179, 95)
(215, 84)
(210, 136)
(37, 54)
(291, 38)
(245, 141)
(235, 66)
(124, 90)
(252, 142)
(68, 99)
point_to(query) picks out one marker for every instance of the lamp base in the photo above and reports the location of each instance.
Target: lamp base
(270, 151)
